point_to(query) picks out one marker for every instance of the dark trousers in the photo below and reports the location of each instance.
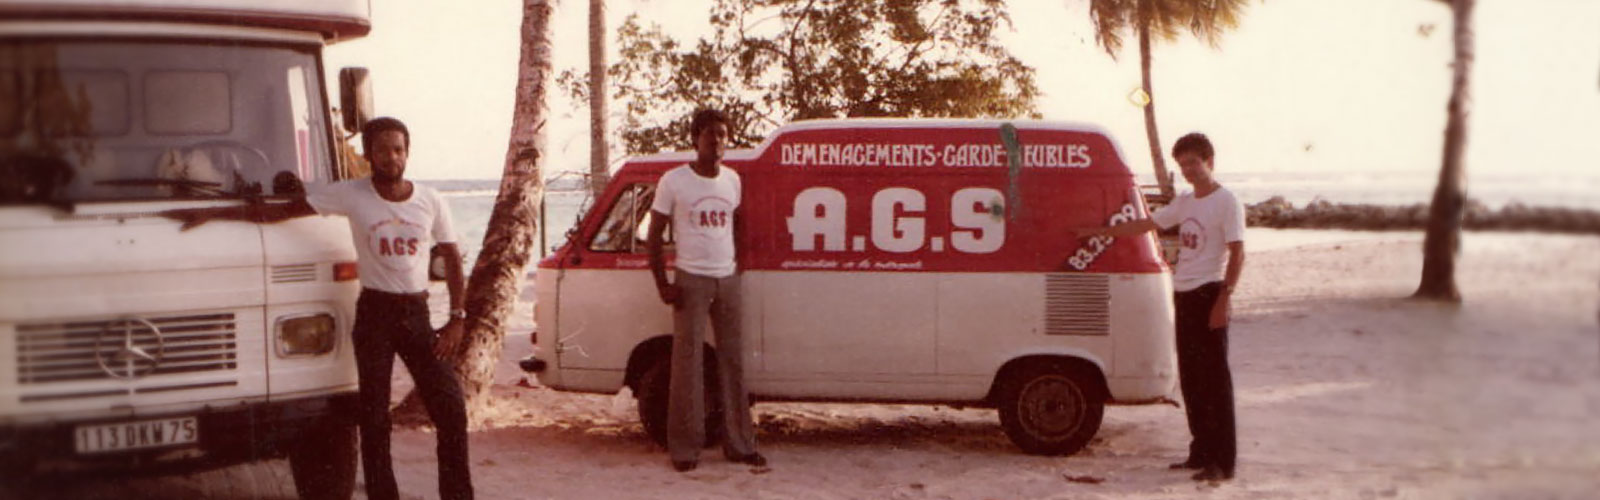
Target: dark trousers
(388, 324)
(715, 301)
(1205, 379)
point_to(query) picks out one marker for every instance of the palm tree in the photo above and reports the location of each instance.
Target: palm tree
(1443, 240)
(1206, 19)
(599, 156)
(492, 286)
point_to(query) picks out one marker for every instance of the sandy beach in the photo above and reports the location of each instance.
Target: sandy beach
(1345, 389)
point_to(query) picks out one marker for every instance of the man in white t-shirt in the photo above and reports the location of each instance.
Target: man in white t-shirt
(1210, 257)
(394, 223)
(701, 201)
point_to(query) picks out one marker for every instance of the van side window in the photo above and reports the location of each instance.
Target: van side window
(627, 224)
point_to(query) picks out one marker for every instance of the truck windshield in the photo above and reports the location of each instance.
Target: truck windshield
(127, 120)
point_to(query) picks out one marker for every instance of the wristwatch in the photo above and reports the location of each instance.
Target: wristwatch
(458, 313)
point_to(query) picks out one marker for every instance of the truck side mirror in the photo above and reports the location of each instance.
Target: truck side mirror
(355, 98)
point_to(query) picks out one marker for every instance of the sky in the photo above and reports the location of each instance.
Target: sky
(1356, 86)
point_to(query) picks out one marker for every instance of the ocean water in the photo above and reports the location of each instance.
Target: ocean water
(472, 201)
(471, 206)
(1494, 190)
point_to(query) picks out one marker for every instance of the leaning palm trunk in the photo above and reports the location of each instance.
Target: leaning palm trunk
(599, 157)
(1443, 241)
(492, 286)
(1163, 179)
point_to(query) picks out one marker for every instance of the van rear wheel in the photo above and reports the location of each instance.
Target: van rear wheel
(655, 384)
(1050, 408)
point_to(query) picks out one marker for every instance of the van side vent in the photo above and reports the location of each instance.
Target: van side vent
(1077, 304)
(294, 273)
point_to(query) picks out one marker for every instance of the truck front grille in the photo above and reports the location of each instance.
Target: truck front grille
(125, 348)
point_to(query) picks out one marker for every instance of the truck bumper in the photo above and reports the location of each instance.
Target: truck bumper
(227, 436)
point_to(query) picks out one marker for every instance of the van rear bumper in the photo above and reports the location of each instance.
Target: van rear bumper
(227, 437)
(1143, 390)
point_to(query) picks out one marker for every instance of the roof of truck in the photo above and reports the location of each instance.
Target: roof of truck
(334, 19)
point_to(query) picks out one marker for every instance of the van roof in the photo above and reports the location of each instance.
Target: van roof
(335, 20)
(843, 124)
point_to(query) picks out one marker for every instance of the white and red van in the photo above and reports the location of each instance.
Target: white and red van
(893, 261)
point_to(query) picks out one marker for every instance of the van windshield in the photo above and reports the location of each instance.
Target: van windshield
(127, 120)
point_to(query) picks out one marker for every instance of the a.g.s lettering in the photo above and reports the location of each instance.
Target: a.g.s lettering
(897, 223)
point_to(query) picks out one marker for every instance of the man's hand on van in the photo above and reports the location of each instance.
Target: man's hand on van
(1128, 228)
(1084, 233)
(670, 294)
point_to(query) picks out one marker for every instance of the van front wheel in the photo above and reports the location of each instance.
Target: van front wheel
(655, 384)
(1050, 408)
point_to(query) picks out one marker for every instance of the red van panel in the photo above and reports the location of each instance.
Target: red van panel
(920, 196)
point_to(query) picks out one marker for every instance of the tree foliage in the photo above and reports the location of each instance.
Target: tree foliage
(768, 62)
(1166, 19)
(1161, 20)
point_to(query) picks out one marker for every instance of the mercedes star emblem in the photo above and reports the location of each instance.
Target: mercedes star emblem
(123, 348)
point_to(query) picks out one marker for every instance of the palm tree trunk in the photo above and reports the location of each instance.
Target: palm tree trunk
(1443, 240)
(492, 286)
(599, 154)
(1156, 160)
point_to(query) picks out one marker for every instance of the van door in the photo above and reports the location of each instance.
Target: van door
(608, 301)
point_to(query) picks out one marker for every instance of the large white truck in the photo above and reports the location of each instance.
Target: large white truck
(125, 343)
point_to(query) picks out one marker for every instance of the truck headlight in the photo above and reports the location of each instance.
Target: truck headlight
(305, 335)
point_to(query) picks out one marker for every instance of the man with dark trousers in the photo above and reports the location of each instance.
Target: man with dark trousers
(394, 223)
(701, 201)
(1210, 258)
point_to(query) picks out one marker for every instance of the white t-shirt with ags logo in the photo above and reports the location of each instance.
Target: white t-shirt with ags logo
(392, 238)
(1206, 226)
(702, 218)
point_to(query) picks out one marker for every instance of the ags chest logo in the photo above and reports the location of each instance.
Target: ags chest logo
(395, 242)
(710, 218)
(1192, 234)
(711, 215)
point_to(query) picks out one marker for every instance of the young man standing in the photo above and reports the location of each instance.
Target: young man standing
(394, 222)
(701, 201)
(1210, 258)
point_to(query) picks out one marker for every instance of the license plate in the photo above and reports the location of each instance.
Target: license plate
(121, 436)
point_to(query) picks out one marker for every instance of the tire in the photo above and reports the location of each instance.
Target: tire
(655, 384)
(324, 461)
(1051, 408)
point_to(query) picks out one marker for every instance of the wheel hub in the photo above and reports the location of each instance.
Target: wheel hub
(1051, 407)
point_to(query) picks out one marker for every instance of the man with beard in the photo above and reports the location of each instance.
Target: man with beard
(394, 222)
